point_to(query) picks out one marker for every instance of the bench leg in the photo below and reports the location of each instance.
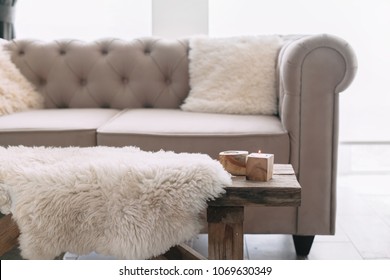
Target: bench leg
(9, 233)
(225, 230)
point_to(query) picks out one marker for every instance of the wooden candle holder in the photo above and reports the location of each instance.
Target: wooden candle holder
(259, 167)
(234, 162)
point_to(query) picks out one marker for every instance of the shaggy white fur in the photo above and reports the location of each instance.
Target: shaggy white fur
(16, 92)
(122, 202)
(233, 75)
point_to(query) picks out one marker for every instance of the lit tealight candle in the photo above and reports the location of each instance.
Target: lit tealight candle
(259, 166)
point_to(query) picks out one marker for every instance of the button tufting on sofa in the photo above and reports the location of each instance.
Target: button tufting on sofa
(42, 81)
(104, 51)
(63, 106)
(62, 52)
(147, 51)
(125, 80)
(83, 82)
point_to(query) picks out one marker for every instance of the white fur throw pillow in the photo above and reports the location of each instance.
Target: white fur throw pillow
(233, 75)
(16, 92)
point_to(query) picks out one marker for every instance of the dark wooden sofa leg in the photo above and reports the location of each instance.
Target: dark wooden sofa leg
(303, 244)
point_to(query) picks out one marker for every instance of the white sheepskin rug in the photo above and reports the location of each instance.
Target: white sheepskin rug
(121, 202)
(16, 92)
(233, 75)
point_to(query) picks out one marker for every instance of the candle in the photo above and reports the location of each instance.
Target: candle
(234, 162)
(259, 166)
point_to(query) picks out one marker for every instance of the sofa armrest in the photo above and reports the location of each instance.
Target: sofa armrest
(312, 71)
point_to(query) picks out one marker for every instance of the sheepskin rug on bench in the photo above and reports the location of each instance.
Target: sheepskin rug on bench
(121, 202)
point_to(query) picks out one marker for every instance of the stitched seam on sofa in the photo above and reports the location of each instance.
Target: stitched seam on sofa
(25, 130)
(111, 119)
(297, 212)
(332, 182)
(334, 143)
(235, 135)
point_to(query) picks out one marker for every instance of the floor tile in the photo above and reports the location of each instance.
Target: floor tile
(340, 236)
(369, 234)
(270, 247)
(334, 251)
(381, 206)
(350, 203)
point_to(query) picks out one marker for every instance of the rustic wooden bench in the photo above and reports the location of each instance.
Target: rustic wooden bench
(225, 215)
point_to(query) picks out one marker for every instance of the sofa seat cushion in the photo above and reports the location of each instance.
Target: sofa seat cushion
(53, 127)
(180, 131)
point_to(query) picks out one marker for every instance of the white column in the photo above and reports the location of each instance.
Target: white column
(179, 18)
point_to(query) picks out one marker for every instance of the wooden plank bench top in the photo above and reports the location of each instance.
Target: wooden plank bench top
(282, 190)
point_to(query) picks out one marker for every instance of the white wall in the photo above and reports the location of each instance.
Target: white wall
(180, 18)
(83, 19)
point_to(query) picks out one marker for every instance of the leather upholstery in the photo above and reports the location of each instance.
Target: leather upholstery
(153, 73)
(312, 71)
(108, 73)
(155, 129)
(52, 127)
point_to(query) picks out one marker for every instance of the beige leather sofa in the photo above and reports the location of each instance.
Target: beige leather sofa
(94, 95)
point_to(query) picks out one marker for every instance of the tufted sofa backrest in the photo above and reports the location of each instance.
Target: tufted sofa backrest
(109, 73)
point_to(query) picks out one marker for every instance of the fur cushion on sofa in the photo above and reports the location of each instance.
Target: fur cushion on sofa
(120, 202)
(233, 75)
(16, 92)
